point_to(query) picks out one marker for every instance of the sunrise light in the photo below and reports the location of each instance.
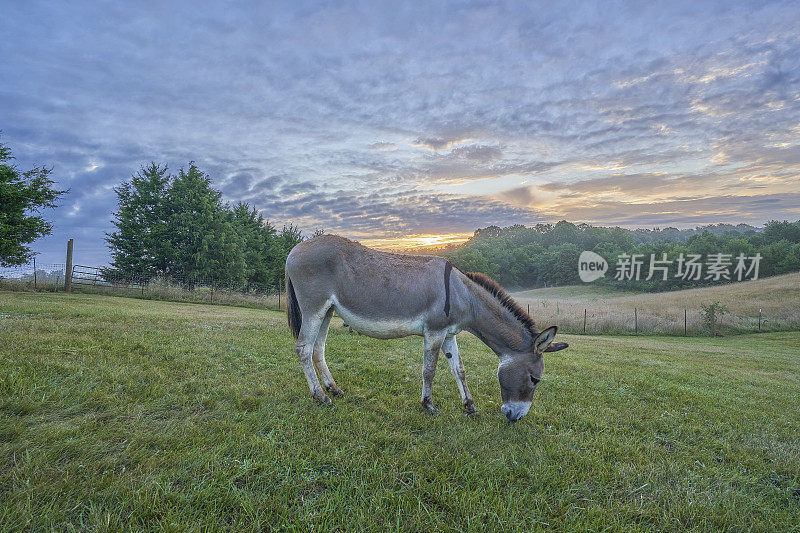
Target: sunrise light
(418, 241)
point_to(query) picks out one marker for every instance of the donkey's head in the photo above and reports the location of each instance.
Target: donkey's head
(520, 373)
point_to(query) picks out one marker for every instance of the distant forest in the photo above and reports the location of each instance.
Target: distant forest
(547, 254)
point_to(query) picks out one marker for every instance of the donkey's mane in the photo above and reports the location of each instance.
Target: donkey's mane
(504, 298)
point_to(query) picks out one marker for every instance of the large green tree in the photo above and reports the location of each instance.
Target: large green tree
(205, 244)
(140, 246)
(259, 245)
(178, 228)
(23, 197)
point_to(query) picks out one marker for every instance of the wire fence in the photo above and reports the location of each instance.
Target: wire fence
(95, 279)
(31, 276)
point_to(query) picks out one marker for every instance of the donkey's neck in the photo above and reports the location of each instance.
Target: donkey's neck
(495, 325)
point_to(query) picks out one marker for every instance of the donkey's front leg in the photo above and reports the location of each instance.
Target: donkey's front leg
(450, 349)
(433, 343)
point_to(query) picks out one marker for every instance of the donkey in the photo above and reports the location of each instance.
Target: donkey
(386, 296)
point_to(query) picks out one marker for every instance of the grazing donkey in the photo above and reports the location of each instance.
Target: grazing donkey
(386, 296)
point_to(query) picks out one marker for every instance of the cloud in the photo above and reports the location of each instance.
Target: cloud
(685, 212)
(383, 146)
(298, 187)
(433, 143)
(478, 152)
(391, 212)
(520, 196)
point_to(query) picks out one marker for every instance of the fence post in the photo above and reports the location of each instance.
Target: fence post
(759, 320)
(635, 321)
(279, 298)
(68, 269)
(34, 273)
(529, 309)
(684, 323)
(584, 321)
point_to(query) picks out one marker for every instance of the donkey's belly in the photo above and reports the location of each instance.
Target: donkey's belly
(381, 328)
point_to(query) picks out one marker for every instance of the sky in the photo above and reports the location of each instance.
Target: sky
(411, 122)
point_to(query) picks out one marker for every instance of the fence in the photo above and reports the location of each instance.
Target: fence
(41, 277)
(93, 279)
(625, 317)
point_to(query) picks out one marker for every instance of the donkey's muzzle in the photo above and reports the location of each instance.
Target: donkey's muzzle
(515, 410)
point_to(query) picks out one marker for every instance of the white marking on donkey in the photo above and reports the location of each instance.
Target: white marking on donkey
(388, 296)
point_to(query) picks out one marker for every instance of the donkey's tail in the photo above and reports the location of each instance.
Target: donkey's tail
(293, 309)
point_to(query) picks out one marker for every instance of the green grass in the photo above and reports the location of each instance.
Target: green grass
(120, 413)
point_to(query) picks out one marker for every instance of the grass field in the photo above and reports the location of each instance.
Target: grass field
(610, 310)
(120, 413)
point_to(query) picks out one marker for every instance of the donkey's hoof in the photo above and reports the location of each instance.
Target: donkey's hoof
(471, 411)
(322, 398)
(335, 391)
(428, 404)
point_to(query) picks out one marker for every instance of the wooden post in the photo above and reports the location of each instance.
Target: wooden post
(529, 309)
(759, 320)
(584, 321)
(279, 299)
(34, 273)
(684, 323)
(635, 321)
(68, 269)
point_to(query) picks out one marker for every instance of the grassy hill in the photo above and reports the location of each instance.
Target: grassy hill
(118, 413)
(612, 311)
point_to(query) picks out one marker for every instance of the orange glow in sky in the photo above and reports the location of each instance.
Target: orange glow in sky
(419, 241)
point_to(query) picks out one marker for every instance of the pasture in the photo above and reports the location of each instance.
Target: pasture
(611, 310)
(119, 413)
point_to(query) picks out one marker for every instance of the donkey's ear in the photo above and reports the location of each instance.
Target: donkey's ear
(544, 338)
(556, 346)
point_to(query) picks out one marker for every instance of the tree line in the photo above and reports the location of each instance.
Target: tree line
(176, 227)
(546, 254)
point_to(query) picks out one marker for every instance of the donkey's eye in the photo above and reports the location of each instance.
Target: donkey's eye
(534, 380)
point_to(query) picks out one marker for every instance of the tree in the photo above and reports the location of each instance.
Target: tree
(287, 239)
(140, 247)
(711, 313)
(205, 244)
(776, 231)
(23, 196)
(258, 236)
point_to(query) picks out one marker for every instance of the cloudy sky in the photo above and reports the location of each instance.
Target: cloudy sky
(385, 120)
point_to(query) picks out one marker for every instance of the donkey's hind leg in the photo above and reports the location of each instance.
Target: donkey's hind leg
(319, 356)
(305, 351)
